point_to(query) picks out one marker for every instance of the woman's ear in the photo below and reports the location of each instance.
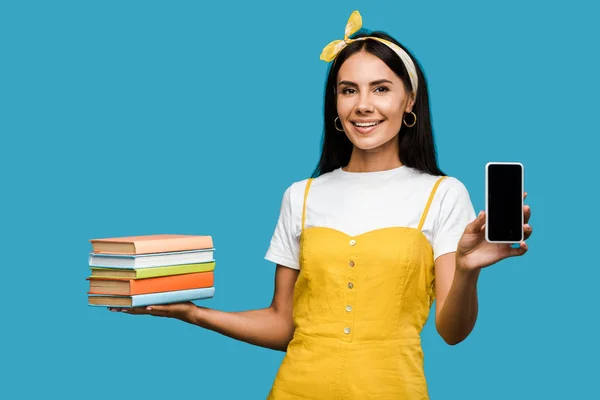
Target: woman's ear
(410, 103)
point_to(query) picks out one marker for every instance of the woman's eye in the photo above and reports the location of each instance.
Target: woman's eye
(380, 89)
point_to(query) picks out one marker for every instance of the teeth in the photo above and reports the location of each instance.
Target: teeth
(365, 124)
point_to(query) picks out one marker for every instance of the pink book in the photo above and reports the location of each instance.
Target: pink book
(147, 244)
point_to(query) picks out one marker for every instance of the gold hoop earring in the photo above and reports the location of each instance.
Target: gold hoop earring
(414, 122)
(335, 124)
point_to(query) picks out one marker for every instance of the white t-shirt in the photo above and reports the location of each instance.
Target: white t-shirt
(358, 202)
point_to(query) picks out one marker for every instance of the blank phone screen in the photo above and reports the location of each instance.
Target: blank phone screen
(505, 202)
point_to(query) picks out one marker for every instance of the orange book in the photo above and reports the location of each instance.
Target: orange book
(148, 244)
(130, 287)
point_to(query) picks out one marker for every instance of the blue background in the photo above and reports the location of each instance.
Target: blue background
(137, 117)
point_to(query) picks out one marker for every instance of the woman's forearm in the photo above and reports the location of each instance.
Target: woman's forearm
(264, 327)
(458, 314)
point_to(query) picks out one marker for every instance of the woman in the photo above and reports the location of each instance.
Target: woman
(364, 246)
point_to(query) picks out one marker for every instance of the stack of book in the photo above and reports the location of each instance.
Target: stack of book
(137, 271)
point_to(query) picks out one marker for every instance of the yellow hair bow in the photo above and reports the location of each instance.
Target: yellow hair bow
(352, 26)
(331, 51)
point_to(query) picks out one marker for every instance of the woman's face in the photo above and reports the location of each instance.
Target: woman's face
(371, 101)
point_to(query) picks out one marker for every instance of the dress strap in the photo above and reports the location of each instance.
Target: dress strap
(424, 216)
(304, 203)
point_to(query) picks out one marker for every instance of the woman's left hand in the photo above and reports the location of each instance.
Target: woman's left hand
(475, 252)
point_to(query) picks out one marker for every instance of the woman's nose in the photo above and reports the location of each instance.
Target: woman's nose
(364, 104)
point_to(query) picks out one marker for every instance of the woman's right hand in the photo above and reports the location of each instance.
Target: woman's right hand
(182, 311)
(270, 327)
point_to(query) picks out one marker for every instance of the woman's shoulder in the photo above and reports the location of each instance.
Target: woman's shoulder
(454, 187)
(451, 200)
(293, 196)
(418, 181)
(447, 183)
(298, 188)
(450, 194)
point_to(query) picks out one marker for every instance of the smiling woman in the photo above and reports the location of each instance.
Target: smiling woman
(365, 246)
(371, 101)
(374, 79)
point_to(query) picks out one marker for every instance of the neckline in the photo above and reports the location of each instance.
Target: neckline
(371, 174)
(367, 233)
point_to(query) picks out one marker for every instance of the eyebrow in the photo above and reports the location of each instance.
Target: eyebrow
(377, 82)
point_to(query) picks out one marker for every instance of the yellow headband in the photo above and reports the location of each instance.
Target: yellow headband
(353, 25)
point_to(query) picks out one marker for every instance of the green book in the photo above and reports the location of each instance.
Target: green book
(152, 272)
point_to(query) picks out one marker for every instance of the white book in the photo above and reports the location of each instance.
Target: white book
(139, 261)
(177, 296)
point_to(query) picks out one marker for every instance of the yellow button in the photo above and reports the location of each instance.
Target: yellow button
(351, 263)
(346, 330)
(350, 285)
(348, 308)
(352, 242)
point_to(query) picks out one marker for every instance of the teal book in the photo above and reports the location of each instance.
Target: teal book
(141, 300)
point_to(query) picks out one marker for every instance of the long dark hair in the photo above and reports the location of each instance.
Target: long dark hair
(417, 148)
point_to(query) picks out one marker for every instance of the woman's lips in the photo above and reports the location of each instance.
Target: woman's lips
(365, 127)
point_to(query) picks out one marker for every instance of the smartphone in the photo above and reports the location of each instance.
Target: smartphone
(504, 189)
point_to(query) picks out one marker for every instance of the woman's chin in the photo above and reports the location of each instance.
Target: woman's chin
(368, 143)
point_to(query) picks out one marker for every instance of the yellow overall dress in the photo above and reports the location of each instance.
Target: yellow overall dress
(360, 303)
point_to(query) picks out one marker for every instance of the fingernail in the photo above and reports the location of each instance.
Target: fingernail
(149, 308)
